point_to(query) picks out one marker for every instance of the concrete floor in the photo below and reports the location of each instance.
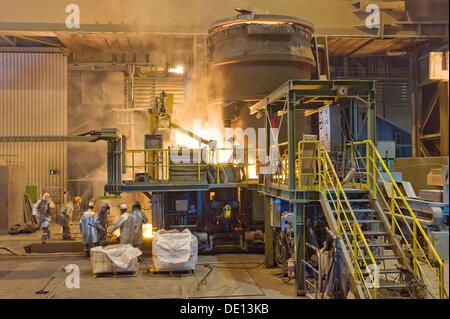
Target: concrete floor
(233, 276)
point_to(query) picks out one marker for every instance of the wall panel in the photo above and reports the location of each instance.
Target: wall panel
(33, 101)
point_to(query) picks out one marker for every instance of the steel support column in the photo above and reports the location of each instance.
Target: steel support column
(291, 140)
(443, 117)
(414, 104)
(269, 243)
(371, 118)
(300, 245)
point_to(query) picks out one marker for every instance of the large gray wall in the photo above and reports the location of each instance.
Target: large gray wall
(33, 101)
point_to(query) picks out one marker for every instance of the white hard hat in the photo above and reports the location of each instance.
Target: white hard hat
(123, 206)
(46, 196)
(91, 204)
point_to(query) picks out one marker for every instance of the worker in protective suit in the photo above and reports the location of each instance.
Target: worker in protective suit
(101, 223)
(65, 216)
(126, 224)
(139, 220)
(87, 228)
(44, 210)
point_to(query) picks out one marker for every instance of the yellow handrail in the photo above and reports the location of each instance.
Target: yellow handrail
(157, 161)
(324, 175)
(413, 244)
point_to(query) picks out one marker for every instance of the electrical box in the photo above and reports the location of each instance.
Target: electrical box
(275, 214)
(387, 152)
(439, 239)
(153, 141)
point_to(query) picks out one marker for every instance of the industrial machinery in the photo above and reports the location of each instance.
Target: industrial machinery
(331, 214)
(190, 188)
(354, 232)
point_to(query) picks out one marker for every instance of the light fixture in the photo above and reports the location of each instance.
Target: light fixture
(179, 70)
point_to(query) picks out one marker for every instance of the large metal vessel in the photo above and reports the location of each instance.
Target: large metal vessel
(251, 55)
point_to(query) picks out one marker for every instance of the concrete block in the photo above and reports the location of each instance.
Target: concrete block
(434, 179)
(12, 192)
(415, 169)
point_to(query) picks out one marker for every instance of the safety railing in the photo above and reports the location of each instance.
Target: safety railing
(156, 164)
(369, 166)
(316, 172)
(312, 282)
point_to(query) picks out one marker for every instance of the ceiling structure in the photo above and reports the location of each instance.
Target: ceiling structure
(139, 27)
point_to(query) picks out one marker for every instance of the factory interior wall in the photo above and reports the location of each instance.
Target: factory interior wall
(33, 101)
(93, 97)
(415, 169)
(12, 190)
(393, 102)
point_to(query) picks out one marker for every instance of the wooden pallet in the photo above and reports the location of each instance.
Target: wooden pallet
(116, 274)
(172, 273)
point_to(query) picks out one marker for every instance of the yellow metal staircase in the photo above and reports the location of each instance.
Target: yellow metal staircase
(386, 250)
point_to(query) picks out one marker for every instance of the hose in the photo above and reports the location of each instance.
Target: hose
(11, 251)
(203, 281)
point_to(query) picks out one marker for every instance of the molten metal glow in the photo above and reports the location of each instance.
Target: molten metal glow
(147, 231)
(116, 233)
(252, 170)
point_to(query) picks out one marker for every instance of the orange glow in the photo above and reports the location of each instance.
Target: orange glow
(147, 231)
(252, 170)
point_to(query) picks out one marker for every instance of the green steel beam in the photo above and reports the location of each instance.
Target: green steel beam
(269, 241)
(291, 141)
(300, 247)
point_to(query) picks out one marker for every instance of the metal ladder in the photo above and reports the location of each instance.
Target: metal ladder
(395, 274)
(382, 260)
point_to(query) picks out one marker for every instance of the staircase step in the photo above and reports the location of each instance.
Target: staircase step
(363, 221)
(353, 200)
(389, 271)
(357, 210)
(375, 245)
(370, 233)
(385, 271)
(379, 258)
(393, 285)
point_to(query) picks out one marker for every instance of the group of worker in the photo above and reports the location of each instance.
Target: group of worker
(93, 226)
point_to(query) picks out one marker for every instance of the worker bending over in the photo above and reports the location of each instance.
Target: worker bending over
(87, 228)
(126, 224)
(101, 221)
(44, 210)
(65, 216)
(139, 220)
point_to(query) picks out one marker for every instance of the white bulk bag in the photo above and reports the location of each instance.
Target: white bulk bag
(173, 250)
(115, 258)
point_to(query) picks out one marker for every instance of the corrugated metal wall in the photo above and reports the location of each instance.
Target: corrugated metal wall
(33, 101)
(146, 89)
(393, 101)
